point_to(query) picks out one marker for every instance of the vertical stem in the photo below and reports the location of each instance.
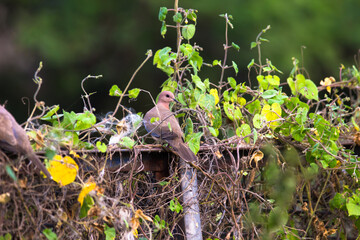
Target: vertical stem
(178, 42)
(226, 50)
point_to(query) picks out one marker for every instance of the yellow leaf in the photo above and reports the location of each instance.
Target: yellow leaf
(74, 154)
(140, 214)
(241, 101)
(5, 198)
(327, 82)
(218, 154)
(214, 92)
(136, 223)
(88, 187)
(63, 169)
(257, 156)
(339, 102)
(272, 113)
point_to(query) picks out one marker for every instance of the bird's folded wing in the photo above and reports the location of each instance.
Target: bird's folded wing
(160, 131)
(6, 133)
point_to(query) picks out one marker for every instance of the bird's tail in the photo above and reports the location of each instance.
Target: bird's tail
(35, 159)
(183, 150)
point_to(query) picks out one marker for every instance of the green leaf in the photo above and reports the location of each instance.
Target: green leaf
(193, 141)
(177, 17)
(279, 98)
(154, 119)
(7, 236)
(189, 127)
(69, 120)
(133, 93)
(213, 131)
(101, 146)
(162, 13)
(269, 94)
(310, 90)
(226, 96)
(196, 61)
(255, 135)
(235, 46)
(235, 67)
(10, 172)
(188, 31)
(198, 82)
(243, 131)
(252, 45)
(298, 133)
(50, 113)
(266, 69)
(232, 112)
(163, 183)
(273, 80)
(181, 99)
(217, 120)
(163, 58)
(191, 15)
(175, 206)
(252, 62)
(163, 29)
(109, 232)
(207, 102)
(49, 234)
(259, 121)
(301, 115)
(159, 223)
(115, 91)
(186, 49)
(338, 201)
(264, 85)
(353, 207)
(291, 84)
(127, 142)
(304, 86)
(193, 56)
(232, 82)
(254, 107)
(216, 62)
(169, 85)
(87, 204)
(84, 120)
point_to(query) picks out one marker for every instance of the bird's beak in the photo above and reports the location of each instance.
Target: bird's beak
(176, 101)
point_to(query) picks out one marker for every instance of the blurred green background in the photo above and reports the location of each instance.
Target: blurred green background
(75, 38)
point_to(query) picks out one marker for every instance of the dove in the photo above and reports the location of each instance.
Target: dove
(161, 123)
(13, 138)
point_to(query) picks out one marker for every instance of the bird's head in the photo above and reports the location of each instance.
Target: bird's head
(165, 98)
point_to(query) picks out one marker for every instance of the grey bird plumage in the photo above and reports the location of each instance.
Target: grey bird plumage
(166, 127)
(13, 138)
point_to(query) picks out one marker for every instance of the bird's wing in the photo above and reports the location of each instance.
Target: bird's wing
(6, 126)
(162, 124)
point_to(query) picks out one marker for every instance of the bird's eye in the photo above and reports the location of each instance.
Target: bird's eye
(167, 95)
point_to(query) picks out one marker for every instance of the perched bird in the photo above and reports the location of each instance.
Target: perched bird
(13, 138)
(163, 125)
